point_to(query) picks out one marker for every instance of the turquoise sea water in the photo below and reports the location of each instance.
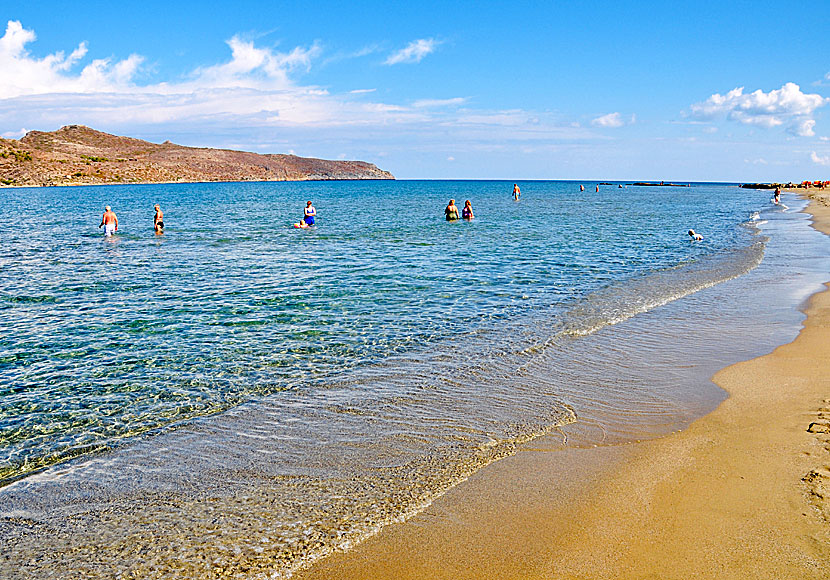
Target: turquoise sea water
(312, 386)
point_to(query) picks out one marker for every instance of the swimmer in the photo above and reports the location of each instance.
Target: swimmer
(451, 212)
(110, 220)
(696, 237)
(158, 220)
(467, 212)
(310, 212)
(516, 192)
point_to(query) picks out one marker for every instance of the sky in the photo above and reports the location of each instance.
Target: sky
(635, 90)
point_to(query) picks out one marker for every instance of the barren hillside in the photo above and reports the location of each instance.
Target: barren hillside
(78, 155)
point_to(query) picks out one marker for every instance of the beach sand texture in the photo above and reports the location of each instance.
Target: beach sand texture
(742, 493)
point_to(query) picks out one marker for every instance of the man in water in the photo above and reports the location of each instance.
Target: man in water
(516, 192)
(777, 196)
(310, 212)
(696, 237)
(110, 221)
(451, 212)
(158, 220)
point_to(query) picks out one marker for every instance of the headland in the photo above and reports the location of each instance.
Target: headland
(78, 155)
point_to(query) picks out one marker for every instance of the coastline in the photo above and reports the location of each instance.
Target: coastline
(742, 492)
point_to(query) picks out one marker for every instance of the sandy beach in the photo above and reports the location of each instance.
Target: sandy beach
(741, 493)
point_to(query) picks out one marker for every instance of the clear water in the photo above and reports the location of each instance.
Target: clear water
(303, 388)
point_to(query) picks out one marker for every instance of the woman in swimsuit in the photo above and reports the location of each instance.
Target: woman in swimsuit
(467, 212)
(451, 212)
(310, 212)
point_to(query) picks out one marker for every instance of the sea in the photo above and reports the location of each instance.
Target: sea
(238, 398)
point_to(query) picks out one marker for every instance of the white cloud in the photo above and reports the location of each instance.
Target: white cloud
(609, 120)
(415, 51)
(27, 75)
(803, 128)
(450, 158)
(361, 91)
(14, 134)
(428, 103)
(820, 160)
(787, 105)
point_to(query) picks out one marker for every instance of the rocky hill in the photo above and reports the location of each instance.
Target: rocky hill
(78, 155)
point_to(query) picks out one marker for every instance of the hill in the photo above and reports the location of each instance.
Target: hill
(78, 155)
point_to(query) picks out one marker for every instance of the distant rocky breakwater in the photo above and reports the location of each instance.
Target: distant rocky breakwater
(78, 155)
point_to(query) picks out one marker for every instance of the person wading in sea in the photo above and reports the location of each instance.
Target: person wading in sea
(110, 221)
(158, 220)
(451, 212)
(310, 213)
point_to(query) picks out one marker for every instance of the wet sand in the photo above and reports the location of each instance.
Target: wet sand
(742, 493)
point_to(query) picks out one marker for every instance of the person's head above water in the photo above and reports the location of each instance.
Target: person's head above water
(691, 233)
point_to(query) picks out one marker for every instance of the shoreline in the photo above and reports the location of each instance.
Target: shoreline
(742, 492)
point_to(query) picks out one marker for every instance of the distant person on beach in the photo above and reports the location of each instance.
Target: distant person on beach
(158, 220)
(516, 192)
(452, 211)
(310, 213)
(109, 221)
(696, 237)
(467, 212)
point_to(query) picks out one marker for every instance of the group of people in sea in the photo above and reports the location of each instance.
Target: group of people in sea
(451, 211)
(109, 221)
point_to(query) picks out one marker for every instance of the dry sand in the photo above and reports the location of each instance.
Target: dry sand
(742, 493)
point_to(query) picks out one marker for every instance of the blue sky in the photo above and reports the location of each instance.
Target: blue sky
(728, 91)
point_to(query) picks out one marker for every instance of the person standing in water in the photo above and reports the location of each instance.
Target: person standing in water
(158, 220)
(310, 214)
(777, 197)
(696, 237)
(516, 192)
(451, 212)
(467, 212)
(109, 221)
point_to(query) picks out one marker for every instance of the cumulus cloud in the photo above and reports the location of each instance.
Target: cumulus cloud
(803, 128)
(610, 120)
(415, 51)
(24, 74)
(820, 159)
(787, 105)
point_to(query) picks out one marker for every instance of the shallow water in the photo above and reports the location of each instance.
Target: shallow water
(268, 394)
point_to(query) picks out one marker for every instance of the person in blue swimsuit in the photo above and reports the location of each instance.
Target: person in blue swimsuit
(310, 212)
